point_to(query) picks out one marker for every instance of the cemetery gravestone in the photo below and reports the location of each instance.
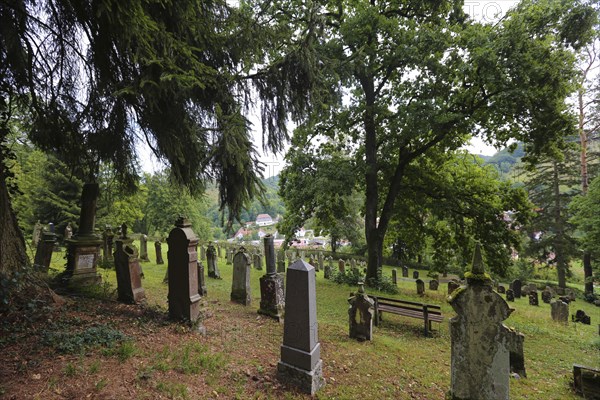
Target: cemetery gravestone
(211, 261)
(479, 356)
(281, 264)
(240, 285)
(415, 274)
(581, 316)
(128, 271)
(586, 381)
(546, 296)
(404, 272)
(530, 288)
(158, 251)
(201, 280)
(202, 252)
(342, 266)
(301, 363)
(43, 253)
(501, 289)
(219, 251)
(144, 248)
(534, 298)
(559, 311)
(452, 286)
(516, 288)
(394, 276)
(319, 261)
(184, 299)
(510, 295)
(420, 287)
(272, 300)
(107, 243)
(515, 341)
(434, 284)
(258, 261)
(83, 249)
(68, 232)
(37, 232)
(363, 307)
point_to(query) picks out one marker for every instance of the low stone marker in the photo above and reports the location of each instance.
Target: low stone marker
(420, 287)
(434, 284)
(211, 262)
(320, 264)
(128, 270)
(531, 287)
(342, 266)
(510, 295)
(479, 354)
(547, 296)
(43, 252)
(586, 381)
(501, 289)
(533, 298)
(257, 261)
(394, 276)
(144, 248)
(301, 363)
(328, 268)
(559, 311)
(404, 271)
(184, 299)
(107, 243)
(158, 249)
(415, 274)
(240, 284)
(363, 307)
(68, 232)
(581, 316)
(272, 300)
(515, 342)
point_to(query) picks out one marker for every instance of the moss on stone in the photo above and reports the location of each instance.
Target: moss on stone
(478, 277)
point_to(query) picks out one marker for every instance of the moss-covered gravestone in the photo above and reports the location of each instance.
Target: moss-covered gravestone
(480, 367)
(272, 301)
(360, 314)
(128, 270)
(184, 299)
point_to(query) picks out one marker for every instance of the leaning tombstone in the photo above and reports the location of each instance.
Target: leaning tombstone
(211, 261)
(342, 266)
(586, 381)
(501, 289)
(516, 288)
(479, 355)
(43, 253)
(546, 296)
(404, 271)
(128, 271)
(452, 286)
(434, 284)
(158, 251)
(363, 307)
(559, 311)
(144, 248)
(510, 295)
(272, 300)
(394, 276)
(184, 299)
(301, 363)
(415, 274)
(420, 287)
(581, 316)
(534, 299)
(83, 249)
(240, 283)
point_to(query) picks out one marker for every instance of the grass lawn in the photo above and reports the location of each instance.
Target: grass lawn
(237, 356)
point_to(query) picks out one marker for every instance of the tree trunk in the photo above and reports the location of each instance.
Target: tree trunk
(375, 256)
(561, 267)
(12, 243)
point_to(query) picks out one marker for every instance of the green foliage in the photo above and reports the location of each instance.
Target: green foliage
(352, 277)
(124, 351)
(586, 216)
(65, 339)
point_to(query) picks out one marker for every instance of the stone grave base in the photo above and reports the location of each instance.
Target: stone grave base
(241, 297)
(307, 381)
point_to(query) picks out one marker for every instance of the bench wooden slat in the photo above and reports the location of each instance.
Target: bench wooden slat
(427, 312)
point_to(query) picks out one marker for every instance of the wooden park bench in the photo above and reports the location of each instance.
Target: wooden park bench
(427, 312)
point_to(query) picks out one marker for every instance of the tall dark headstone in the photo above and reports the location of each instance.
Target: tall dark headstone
(83, 249)
(301, 363)
(257, 261)
(158, 251)
(201, 279)
(128, 271)
(516, 288)
(211, 261)
(184, 299)
(420, 287)
(434, 284)
(144, 248)
(404, 271)
(394, 276)
(415, 274)
(240, 284)
(107, 244)
(272, 301)
(510, 295)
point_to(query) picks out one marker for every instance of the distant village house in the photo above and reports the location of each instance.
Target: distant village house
(264, 220)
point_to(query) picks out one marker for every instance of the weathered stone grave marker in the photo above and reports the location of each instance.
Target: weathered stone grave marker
(211, 261)
(510, 295)
(158, 251)
(501, 289)
(342, 266)
(515, 285)
(301, 363)
(420, 287)
(533, 298)
(394, 276)
(452, 286)
(404, 271)
(272, 300)
(43, 253)
(144, 248)
(363, 307)
(240, 284)
(434, 284)
(128, 270)
(559, 311)
(415, 274)
(184, 299)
